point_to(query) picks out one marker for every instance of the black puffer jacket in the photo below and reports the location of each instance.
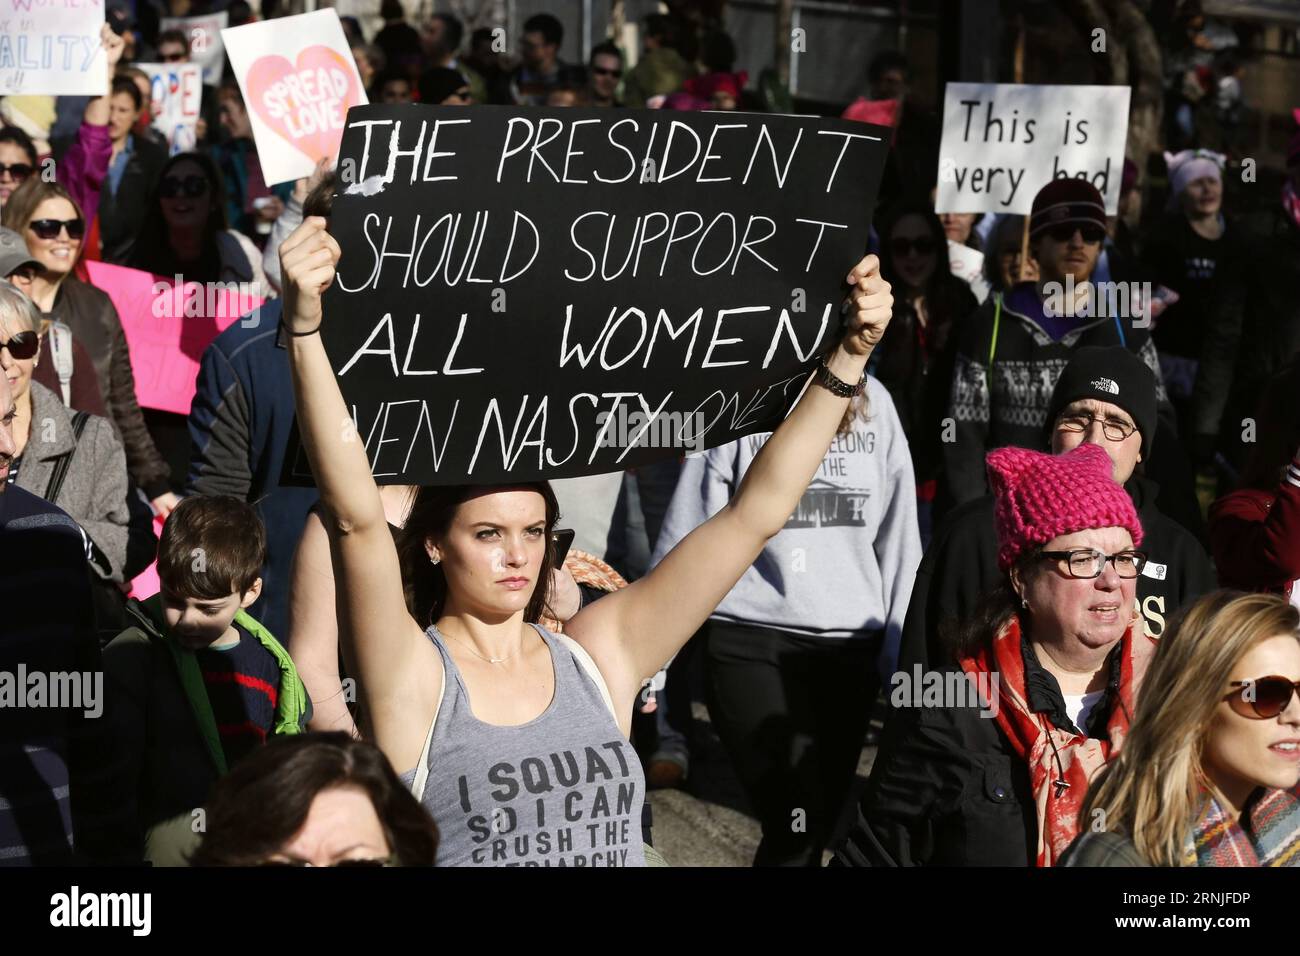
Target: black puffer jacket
(90, 314)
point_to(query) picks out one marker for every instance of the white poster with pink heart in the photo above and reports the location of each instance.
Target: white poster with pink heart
(299, 81)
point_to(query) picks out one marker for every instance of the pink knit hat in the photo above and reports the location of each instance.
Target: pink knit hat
(1038, 496)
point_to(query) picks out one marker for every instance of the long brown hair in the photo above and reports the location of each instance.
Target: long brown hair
(431, 516)
(1152, 791)
(257, 808)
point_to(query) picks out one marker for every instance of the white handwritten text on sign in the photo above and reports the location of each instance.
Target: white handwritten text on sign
(513, 280)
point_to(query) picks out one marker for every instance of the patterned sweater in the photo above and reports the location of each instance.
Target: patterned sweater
(1002, 383)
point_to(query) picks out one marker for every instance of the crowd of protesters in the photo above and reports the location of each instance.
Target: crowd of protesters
(979, 491)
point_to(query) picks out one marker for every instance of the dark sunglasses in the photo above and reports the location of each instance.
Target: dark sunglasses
(1261, 698)
(16, 170)
(173, 57)
(1066, 230)
(50, 228)
(903, 247)
(601, 71)
(23, 345)
(172, 186)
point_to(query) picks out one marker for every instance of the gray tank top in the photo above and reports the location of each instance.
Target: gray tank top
(564, 789)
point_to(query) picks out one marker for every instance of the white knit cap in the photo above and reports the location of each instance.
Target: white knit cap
(1193, 164)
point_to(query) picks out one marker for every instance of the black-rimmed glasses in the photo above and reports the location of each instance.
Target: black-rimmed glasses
(1089, 562)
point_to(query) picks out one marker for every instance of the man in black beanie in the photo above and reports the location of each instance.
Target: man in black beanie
(1010, 353)
(1106, 396)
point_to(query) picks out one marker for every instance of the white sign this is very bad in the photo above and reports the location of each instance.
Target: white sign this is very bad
(1004, 142)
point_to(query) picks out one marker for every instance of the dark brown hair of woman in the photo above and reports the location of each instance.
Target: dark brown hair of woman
(258, 807)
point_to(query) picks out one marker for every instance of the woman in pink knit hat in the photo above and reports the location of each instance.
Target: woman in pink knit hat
(987, 762)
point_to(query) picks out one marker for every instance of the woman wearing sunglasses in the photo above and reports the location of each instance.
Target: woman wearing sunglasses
(185, 233)
(315, 800)
(1220, 719)
(986, 762)
(52, 224)
(17, 160)
(84, 163)
(73, 460)
(914, 361)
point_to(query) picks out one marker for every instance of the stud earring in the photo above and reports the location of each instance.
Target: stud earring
(435, 560)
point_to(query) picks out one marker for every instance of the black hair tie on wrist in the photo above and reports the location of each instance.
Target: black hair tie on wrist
(300, 334)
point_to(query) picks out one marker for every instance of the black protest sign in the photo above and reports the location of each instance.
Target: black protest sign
(531, 294)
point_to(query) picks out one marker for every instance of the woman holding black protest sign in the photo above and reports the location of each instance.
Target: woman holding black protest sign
(538, 770)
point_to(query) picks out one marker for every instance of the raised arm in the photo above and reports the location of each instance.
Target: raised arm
(314, 629)
(85, 165)
(397, 669)
(633, 632)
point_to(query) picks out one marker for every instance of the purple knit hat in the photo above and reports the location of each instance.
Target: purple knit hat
(1038, 496)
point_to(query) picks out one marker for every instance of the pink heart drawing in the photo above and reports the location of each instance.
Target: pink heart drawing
(305, 104)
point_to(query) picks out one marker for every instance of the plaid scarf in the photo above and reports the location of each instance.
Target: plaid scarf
(1271, 836)
(1041, 744)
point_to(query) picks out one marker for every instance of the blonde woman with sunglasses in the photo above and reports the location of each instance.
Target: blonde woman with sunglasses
(1210, 772)
(54, 227)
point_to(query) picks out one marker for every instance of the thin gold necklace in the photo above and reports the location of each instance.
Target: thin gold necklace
(490, 660)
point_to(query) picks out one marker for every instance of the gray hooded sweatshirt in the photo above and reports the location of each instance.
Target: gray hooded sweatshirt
(843, 566)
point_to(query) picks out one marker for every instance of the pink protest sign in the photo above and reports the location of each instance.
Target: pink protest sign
(168, 326)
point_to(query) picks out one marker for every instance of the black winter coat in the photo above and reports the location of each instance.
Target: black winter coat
(918, 374)
(949, 789)
(122, 213)
(1258, 332)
